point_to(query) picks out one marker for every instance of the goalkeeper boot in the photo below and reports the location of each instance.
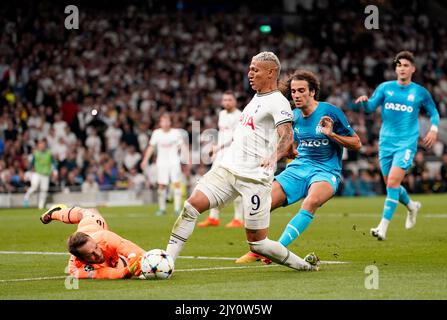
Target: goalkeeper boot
(412, 214)
(313, 260)
(250, 257)
(46, 217)
(376, 232)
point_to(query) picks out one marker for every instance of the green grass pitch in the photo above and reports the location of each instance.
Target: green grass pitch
(412, 264)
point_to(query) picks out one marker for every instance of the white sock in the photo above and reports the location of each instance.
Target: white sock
(214, 213)
(411, 205)
(42, 199)
(177, 198)
(383, 225)
(238, 209)
(182, 230)
(276, 252)
(162, 199)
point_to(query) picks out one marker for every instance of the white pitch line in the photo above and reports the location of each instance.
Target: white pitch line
(179, 270)
(180, 257)
(35, 253)
(34, 279)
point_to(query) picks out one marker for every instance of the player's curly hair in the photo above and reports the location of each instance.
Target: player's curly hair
(300, 74)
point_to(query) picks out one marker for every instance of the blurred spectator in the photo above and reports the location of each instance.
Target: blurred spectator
(131, 66)
(132, 158)
(90, 186)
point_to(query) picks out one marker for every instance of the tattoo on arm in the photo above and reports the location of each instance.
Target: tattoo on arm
(285, 141)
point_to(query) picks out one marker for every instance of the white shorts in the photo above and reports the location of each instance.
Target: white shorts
(39, 181)
(168, 173)
(221, 187)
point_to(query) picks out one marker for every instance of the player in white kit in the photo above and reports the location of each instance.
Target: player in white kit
(228, 120)
(168, 142)
(263, 136)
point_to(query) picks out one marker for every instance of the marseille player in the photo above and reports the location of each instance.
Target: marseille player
(228, 120)
(247, 168)
(401, 102)
(168, 142)
(96, 252)
(321, 130)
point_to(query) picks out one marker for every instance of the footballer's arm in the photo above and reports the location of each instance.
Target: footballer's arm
(284, 147)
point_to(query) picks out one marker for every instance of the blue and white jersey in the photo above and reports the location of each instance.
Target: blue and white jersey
(316, 150)
(400, 106)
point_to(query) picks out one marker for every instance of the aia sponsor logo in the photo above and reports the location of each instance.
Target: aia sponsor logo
(247, 120)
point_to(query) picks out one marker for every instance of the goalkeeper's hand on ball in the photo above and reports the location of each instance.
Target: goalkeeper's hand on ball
(134, 265)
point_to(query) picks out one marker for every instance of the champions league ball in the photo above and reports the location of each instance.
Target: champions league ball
(156, 264)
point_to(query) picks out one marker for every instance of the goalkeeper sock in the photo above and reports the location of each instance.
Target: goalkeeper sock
(182, 230)
(71, 215)
(296, 227)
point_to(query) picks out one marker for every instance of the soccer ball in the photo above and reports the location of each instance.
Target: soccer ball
(156, 264)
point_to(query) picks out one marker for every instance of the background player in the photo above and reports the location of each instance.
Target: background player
(401, 103)
(40, 179)
(247, 168)
(168, 142)
(321, 130)
(97, 253)
(228, 120)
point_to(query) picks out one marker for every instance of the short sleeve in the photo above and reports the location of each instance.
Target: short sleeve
(341, 124)
(154, 138)
(281, 112)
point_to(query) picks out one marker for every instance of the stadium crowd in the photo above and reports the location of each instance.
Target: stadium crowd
(95, 94)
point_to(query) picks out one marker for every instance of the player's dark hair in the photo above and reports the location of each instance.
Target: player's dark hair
(308, 76)
(76, 240)
(407, 55)
(230, 92)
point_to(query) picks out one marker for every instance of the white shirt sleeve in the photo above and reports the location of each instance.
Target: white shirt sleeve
(154, 138)
(281, 112)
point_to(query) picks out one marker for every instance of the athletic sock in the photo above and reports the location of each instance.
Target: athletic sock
(162, 199)
(296, 227)
(391, 202)
(389, 207)
(238, 209)
(177, 198)
(182, 230)
(214, 213)
(404, 198)
(276, 252)
(70, 215)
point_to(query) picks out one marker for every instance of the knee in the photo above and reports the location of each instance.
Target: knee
(311, 203)
(393, 182)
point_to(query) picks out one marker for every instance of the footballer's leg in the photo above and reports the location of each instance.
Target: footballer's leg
(175, 177)
(238, 219)
(256, 198)
(319, 193)
(35, 181)
(214, 189)
(61, 213)
(161, 192)
(278, 197)
(394, 180)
